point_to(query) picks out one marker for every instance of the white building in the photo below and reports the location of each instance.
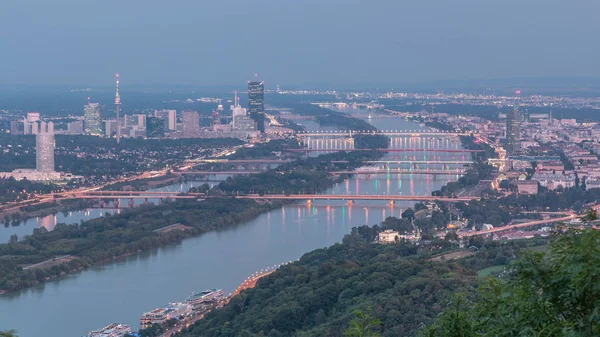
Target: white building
(44, 148)
(552, 181)
(30, 123)
(388, 236)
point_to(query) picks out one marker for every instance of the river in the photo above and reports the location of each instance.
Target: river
(122, 290)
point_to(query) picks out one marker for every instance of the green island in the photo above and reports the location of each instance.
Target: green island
(34, 259)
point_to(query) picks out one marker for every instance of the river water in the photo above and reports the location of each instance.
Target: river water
(122, 290)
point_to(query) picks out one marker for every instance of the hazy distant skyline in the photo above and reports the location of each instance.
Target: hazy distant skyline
(295, 42)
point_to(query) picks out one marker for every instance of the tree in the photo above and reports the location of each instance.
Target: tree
(8, 333)
(551, 293)
(591, 215)
(13, 239)
(408, 214)
(363, 325)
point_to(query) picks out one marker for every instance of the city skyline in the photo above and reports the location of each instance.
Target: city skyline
(357, 42)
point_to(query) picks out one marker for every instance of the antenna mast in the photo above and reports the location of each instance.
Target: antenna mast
(118, 109)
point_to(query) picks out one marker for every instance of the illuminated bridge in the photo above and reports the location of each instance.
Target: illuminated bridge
(389, 133)
(308, 197)
(397, 171)
(283, 161)
(387, 150)
(352, 197)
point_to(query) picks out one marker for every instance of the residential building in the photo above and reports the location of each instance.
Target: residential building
(30, 123)
(388, 236)
(191, 124)
(526, 186)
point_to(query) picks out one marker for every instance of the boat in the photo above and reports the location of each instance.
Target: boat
(205, 297)
(161, 315)
(113, 330)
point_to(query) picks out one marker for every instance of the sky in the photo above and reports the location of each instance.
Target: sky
(204, 42)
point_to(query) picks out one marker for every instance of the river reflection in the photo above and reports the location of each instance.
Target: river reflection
(121, 291)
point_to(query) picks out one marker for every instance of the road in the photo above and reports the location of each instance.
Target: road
(186, 323)
(521, 225)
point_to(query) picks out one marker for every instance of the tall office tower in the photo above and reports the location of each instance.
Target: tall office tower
(155, 127)
(256, 103)
(169, 116)
(191, 124)
(513, 128)
(172, 120)
(30, 123)
(141, 120)
(92, 122)
(118, 110)
(44, 148)
(110, 127)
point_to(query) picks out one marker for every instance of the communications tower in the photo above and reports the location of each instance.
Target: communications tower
(118, 109)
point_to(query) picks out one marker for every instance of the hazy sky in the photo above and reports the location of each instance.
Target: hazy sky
(295, 41)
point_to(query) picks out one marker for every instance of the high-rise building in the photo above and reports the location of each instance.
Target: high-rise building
(92, 122)
(169, 116)
(172, 120)
(513, 130)
(256, 102)
(44, 147)
(191, 124)
(155, 127)
(30, 123)
(110, 127)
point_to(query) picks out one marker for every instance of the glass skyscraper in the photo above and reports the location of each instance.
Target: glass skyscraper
(92, 123)
(256, 103)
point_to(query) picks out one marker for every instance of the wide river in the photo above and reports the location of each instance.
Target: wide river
(122, 290)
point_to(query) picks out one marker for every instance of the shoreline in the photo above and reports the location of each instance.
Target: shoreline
(188, 233)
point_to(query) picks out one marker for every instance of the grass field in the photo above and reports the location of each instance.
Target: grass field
(489, 271)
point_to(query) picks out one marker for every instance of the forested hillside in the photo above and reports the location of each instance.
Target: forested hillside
(318, 295)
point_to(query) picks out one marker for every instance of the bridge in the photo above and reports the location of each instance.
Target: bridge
(352, 197)
(309, 197)
(386, 150)
(230, 173)
(399, 171)
(409, 161)
(389, 133)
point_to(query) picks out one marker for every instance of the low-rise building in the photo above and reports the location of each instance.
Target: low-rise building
(388, 236)
(526, 186)
(553, 181)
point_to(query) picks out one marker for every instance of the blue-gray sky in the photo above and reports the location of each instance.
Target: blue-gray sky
(295, 41)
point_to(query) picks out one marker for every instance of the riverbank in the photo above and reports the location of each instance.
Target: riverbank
(135, 236)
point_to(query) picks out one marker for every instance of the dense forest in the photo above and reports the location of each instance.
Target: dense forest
(549, 293)
(302, 176)
(399, 285)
